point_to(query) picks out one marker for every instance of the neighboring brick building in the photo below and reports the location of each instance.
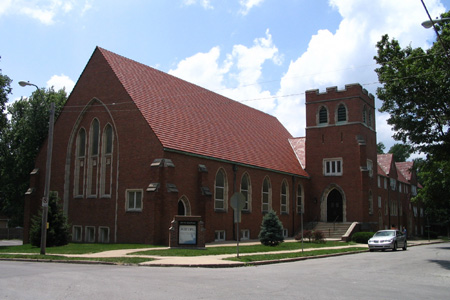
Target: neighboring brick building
(133, 147)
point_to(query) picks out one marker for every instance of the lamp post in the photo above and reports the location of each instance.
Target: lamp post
(430, 23)
(48, 171)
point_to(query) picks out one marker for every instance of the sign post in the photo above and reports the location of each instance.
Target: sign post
(237, 202)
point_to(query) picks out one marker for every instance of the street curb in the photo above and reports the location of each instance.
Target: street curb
(211, 266)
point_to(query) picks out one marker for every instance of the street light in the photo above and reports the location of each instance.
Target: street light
(48, 171)
(429, 23)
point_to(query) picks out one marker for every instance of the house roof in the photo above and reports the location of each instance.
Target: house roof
(299, 147)
(405, 169)
(385, 162)
(191, 119)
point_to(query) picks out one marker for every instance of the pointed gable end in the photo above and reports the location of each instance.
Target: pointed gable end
(190, 119)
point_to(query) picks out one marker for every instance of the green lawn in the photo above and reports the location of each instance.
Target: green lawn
(242, 249)
(72, 248)
(278, 256)
(115, 260)
(52, 252)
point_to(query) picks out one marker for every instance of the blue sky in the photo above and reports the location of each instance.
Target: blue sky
(264, 53)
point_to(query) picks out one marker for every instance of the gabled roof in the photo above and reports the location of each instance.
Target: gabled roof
(385, 161)
(191, 119)
(299, 147)
(405, 169)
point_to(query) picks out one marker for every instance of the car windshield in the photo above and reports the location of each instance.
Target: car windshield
(385, 233)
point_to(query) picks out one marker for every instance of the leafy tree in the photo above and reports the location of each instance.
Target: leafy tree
(271, 233)
(435, 178)
(401, 152)
(25, 133)
(380, 148)
(5, 90)
(58, 233)
(416, 92)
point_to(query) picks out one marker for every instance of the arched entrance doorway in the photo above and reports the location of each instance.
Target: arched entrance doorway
(334, 206)
(184, 207)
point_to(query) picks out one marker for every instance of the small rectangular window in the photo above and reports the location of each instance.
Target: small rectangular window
(134, 200)
(333, 167)
(103, 235)
(245, 234)
(219, 235)
(77, 234)
(90, 234)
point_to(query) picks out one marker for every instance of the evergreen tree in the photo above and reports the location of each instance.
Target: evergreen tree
(271, 233)
(58, 233)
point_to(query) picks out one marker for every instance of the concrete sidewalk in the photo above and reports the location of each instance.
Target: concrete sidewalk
(217, 261)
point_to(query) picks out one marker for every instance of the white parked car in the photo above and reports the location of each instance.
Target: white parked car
(387, 239)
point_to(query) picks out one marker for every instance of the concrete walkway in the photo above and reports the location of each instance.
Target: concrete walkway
(218, 261)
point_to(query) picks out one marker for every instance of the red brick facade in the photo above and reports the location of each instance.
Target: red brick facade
(133, 147)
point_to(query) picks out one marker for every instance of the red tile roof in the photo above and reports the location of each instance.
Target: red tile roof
(299, 147)
(188, 118)
(405, 169)
(385, 162)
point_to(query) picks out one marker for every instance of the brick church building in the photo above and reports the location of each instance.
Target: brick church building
(134, 147)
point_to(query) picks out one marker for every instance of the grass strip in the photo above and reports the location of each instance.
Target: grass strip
(242, 249)
(278, 256)
(73, 248)
(116, 260)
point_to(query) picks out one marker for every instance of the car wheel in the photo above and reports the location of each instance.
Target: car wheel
(371, 250)
(395, 247)
(383, 250)
(405, 246)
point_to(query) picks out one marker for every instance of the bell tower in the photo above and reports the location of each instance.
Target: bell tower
(341, 155)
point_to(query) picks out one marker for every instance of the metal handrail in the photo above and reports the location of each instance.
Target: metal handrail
(334, 223)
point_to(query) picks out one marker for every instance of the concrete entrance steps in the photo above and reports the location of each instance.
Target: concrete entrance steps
(333, 230)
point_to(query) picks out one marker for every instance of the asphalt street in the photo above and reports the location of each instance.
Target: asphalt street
(421, 272)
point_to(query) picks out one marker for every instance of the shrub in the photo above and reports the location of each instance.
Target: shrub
(319, 236)
(362, 237)
(307, 234)
(271, 233)
(58, 233)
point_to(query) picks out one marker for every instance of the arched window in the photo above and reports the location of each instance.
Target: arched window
(93, 169)
(284, 205)
(246, 191)
(300, 204)
(107, 157)
(108, 136)
(95, 132)
(323, 115)
(341, 113)
(80, 163)
(81, 143)
(266, 195)
(220, 191)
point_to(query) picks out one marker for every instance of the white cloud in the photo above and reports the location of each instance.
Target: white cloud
(5, 6)
(331, 59)
(45, 11)
(346, 56)
(237, 75)
(206, 4)
(61, 81)
(247, 5)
